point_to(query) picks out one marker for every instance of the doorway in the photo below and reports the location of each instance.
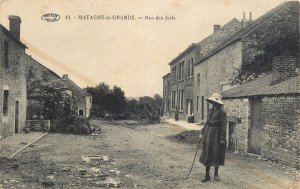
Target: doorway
(255, 127)
(17, 112)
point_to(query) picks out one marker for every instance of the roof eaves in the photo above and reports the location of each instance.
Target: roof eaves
(185, 51)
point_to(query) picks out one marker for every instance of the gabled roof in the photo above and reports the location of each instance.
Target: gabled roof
(44, 67)
(262, 87)
(10, 35)
(74, 85)
(249, 29)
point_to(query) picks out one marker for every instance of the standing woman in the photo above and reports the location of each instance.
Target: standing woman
(214, 134)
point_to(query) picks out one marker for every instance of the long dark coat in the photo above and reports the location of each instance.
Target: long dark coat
(213, 153)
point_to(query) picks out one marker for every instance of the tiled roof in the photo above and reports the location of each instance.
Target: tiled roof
(11, 36)
(249, 29)
(262, 87)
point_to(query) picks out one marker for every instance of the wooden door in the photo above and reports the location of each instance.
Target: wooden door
(255, 127)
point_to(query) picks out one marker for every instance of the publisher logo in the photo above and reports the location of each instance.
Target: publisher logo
(50, 17)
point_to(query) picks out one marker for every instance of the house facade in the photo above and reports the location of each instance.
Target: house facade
(264, 114)
(36, 72)
(250, 50)
(13, 79)
(182, 77)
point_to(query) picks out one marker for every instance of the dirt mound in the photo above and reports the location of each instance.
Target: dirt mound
(190, 137)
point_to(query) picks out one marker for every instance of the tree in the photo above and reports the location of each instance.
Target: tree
(52, 99)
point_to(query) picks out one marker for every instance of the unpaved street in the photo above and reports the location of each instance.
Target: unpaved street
(139, 157)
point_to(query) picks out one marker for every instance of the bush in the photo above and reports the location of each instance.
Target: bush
(74, 124)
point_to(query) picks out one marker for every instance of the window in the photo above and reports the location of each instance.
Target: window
(165, 89)
(180, 95)
(202, 108)
(168, 87)
(198, 80)
(181, 69)
(6, 65)
(5, 103)
(80, 112)
(173, 98)
(192, 67)
(174, 74)
(197, 105)
(188, 70)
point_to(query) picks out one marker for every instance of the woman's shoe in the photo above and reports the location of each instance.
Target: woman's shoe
(217, 178)
(206, 178)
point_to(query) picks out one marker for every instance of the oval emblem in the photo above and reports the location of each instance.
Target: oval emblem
(50, 17)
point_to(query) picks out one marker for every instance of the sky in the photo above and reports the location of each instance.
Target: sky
(132, 54)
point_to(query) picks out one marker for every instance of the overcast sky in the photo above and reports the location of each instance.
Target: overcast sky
(131, 54)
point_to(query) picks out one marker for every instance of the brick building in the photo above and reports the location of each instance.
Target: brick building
(250, 50)
(179, 84)
(13, 79)
(264, 114)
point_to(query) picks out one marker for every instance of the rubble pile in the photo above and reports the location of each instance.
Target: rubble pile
(190, 137)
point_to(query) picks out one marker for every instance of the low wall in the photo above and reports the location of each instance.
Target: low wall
(38, 125)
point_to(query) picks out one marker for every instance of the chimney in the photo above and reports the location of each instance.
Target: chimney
(284, 67)
(216, 27)
(65, 76)
(14, 26)
(246, 22)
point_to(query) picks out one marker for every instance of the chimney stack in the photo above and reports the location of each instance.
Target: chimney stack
(284, 67)
(14, 26)
(216, 27)
(246, 22)
(65, 76)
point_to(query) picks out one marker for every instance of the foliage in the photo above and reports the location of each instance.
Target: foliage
(261, 63)
(71, 124)
(106, 100)
(51, 98)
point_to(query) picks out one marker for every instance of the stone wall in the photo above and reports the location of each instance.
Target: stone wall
(240, 110)
(38, 125)
(214, 73)
(13, 79)
(281, 129)
(277, 36)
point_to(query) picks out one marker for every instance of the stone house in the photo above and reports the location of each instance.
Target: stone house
(81, 98)
(250, 50)
(166, 94)
(82, 101)
(264, 114)
(179, 83)
(13, 79)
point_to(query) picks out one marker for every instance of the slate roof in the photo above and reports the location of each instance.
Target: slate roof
(248, 29)
(262, 87)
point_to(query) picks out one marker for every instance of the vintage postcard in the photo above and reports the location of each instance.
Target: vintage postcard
(150, 94)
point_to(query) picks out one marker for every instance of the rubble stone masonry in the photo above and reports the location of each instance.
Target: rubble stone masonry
(239, 108)
(281, 129)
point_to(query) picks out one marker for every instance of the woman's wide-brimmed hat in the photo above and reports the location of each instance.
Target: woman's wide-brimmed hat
(215, 98)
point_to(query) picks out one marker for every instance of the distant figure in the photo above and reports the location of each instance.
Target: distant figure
(213, 139)
(176, 114)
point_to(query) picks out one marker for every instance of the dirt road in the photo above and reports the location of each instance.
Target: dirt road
(138, 157)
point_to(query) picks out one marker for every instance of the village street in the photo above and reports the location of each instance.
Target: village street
(137, 157)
